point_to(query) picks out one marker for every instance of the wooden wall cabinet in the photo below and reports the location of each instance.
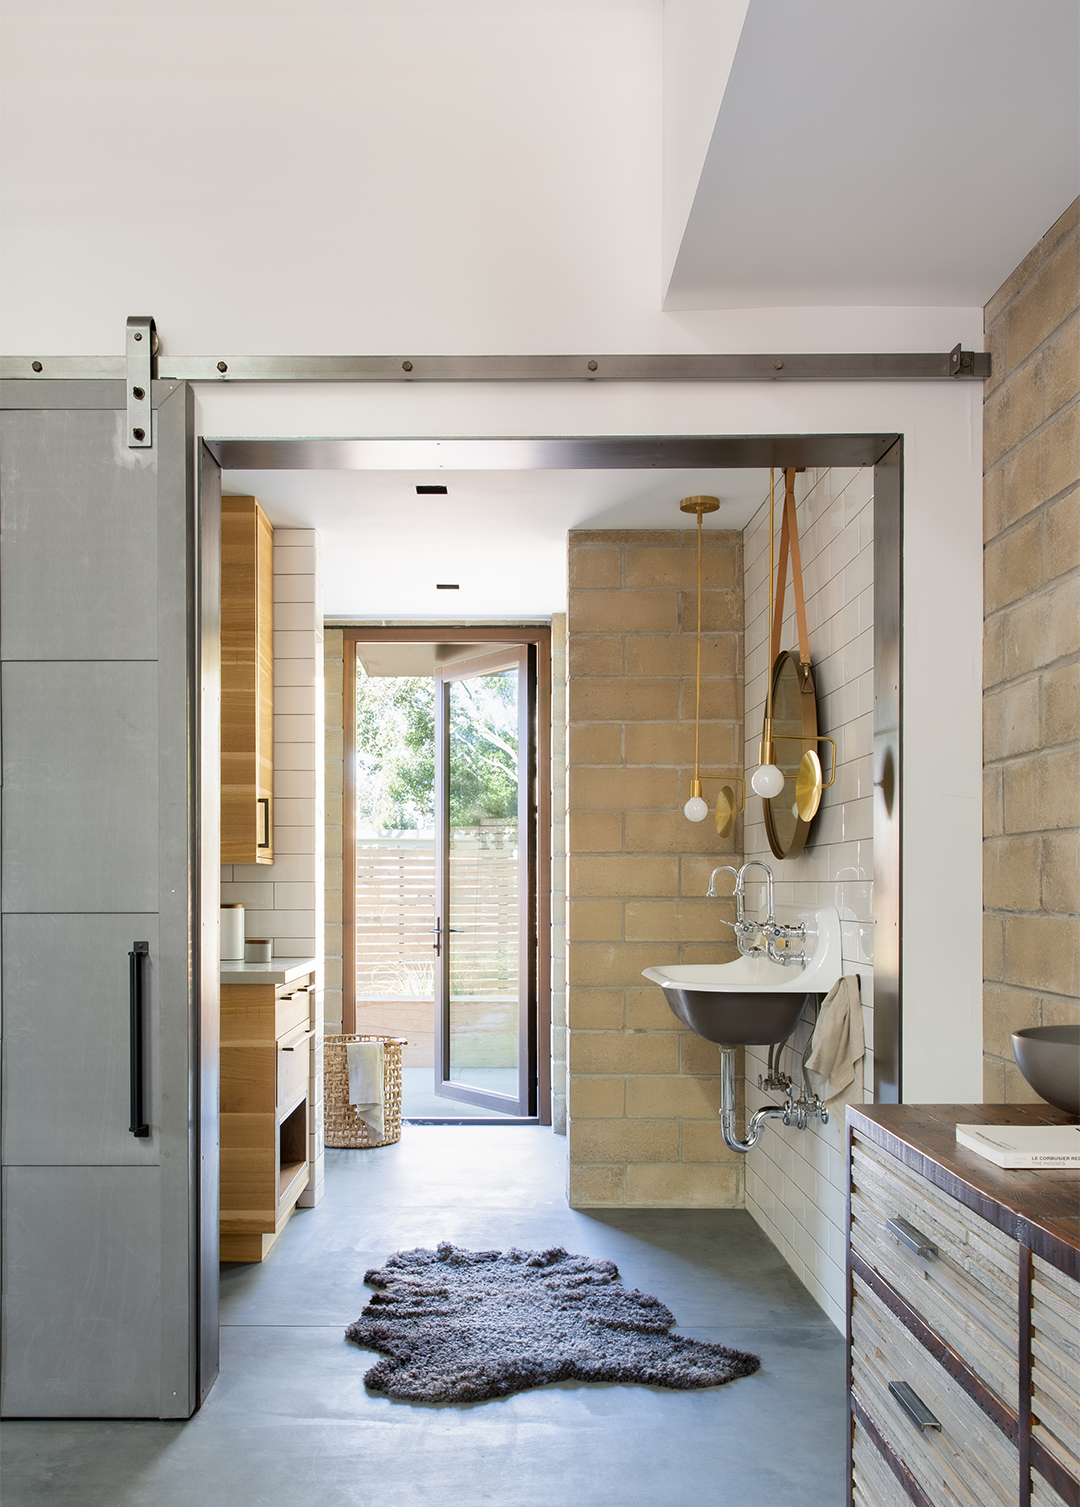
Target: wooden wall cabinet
(266, 1032)
(247, 682)
(963, 1316)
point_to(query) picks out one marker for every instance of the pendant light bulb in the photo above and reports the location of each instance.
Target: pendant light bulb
(696, 809)
(767, 781)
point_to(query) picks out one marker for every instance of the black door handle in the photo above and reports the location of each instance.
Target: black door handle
(139, 951)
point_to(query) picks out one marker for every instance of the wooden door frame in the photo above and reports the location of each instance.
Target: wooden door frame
(539, 635)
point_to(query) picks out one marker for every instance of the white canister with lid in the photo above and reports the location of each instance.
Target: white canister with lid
(232, 933)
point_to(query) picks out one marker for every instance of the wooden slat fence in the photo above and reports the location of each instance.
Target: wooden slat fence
(395, 911)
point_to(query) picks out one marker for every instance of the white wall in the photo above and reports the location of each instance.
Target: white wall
(795, 1179)
(700, 38)
(360, 176)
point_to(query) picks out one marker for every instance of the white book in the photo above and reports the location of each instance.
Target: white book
(1023, 1146)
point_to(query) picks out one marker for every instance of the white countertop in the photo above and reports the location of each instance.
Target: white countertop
(277, 971)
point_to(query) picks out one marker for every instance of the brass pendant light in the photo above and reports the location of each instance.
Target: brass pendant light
(696, 808)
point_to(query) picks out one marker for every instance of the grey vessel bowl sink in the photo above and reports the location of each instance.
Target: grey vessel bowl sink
(1049, 1058)
(732, 1019)
(753, 1001)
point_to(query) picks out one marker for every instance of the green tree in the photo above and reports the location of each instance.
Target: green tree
(395, 739)
(395, 743)
(483, 749)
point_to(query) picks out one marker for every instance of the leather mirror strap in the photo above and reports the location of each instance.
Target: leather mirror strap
(789, 541)
(796, 566)
(781, 586)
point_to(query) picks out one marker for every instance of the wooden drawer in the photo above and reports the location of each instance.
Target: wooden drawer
(1055, 1362)
(968, 1291)
(293, 1067)
(872, 1481)
(292, 1007)
(968, 1462)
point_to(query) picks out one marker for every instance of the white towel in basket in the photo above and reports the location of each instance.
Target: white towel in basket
(366, 1080)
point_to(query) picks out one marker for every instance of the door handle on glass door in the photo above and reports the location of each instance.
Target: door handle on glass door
(437, 931)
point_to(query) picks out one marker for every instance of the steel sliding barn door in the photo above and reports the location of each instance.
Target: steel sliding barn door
(108, 665)
(484, 942)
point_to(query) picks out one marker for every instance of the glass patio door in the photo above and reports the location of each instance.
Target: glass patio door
(484, 972)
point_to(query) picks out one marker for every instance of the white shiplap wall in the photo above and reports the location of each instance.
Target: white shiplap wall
(285, 900)
(795, 1179)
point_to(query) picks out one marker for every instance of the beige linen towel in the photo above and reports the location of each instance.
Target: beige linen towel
(838, 1042)
(366, 1076)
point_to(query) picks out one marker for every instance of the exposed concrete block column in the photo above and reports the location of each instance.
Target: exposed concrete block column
(1031, 660)
(644, 1094)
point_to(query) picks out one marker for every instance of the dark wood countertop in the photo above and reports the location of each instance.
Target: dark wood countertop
(1040, 1208)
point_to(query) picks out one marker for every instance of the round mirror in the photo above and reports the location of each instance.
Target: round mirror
(795, 734)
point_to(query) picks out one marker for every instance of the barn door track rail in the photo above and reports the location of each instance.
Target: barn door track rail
(144, 361)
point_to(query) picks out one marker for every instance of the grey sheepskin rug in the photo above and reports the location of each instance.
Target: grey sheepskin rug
(462, 1326)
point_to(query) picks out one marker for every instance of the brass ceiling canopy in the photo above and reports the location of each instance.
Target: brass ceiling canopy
(699, 505)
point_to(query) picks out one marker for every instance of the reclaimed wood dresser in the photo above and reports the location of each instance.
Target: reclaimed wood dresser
(963, 1315)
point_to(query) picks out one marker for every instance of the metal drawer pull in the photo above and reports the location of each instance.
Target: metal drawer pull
(914, 1406)
(299, 1041)
(264, 802)
(908, 1235)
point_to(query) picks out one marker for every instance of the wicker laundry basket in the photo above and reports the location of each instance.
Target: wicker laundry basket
(341, 1124)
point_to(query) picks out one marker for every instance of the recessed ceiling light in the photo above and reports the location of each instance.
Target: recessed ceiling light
(444, 586)
(431, 491)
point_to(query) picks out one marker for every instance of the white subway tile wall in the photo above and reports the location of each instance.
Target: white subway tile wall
(795, 1178)
(285, 900)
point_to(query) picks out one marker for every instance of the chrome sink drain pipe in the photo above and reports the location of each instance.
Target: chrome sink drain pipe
(729, 1104)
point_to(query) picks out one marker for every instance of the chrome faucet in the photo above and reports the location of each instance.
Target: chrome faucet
(740, 885)
(756, 938)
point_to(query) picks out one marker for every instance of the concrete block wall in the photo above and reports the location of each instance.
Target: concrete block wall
(285, 900)
(1031, 658)
(644, 1094)
(558, 873)
(795, 1184)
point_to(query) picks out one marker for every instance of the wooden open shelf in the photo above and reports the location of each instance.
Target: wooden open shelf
(265, 1066)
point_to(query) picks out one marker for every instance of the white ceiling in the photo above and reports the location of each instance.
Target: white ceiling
(499, 535)
(868, 153)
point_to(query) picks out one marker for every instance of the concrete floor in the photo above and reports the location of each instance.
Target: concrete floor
(289, 1422)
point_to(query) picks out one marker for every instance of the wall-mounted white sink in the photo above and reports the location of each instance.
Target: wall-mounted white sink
(752, 999)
